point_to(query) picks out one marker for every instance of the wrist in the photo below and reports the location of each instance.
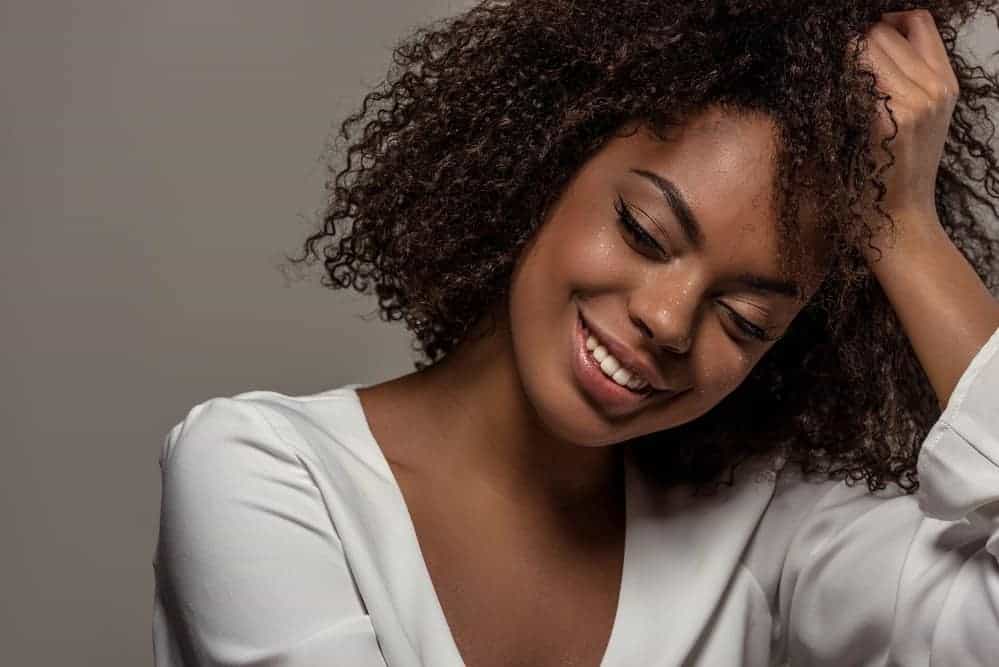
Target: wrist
(917, 234)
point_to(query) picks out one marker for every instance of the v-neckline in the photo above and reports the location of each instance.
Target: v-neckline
(424, 581)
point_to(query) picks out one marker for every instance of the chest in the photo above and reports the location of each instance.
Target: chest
(515, 587)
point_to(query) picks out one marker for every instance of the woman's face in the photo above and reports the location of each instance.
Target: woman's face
(683, 298)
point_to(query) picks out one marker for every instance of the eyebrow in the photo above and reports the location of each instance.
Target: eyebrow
(764, 284)
(695, 236)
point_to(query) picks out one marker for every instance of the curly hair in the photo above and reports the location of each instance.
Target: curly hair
(454, 159)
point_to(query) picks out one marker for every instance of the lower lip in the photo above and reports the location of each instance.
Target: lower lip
(598, 386)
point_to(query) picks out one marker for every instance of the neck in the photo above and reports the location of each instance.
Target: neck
(485, 426)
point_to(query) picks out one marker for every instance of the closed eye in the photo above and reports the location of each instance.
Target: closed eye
(635, 230)
(747, 327)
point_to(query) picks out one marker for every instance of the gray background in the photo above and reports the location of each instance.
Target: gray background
(156, 160)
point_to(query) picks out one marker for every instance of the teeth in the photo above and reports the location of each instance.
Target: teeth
(609, 364)
(612, 367)
(635, 384)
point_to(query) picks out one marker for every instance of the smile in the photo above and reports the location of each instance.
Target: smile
(601, 376)
(613, 368)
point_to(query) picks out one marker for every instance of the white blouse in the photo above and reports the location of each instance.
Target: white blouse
(285, 540)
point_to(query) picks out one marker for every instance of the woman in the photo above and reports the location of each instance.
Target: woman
(681, 274)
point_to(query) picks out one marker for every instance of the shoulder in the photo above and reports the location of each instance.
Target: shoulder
(232, 457)
(250, 559)
(263, 424)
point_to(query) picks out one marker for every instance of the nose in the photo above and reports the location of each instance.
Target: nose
(675, 344)
(668, 322)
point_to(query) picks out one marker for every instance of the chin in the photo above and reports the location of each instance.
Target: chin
(551, 407)
(566, 416)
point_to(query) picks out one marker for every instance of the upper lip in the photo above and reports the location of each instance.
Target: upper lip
(628, 357)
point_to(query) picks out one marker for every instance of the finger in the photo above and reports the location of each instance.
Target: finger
(890, 77)
(920, 29)
(904, 55)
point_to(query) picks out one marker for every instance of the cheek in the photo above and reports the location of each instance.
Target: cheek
(721, 378)
(574, 243)
(587, 258)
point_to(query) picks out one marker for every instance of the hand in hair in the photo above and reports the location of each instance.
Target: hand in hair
(907, 56)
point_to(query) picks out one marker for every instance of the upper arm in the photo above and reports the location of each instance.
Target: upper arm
(249, 567)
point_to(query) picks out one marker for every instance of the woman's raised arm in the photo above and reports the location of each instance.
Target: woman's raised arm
(913, 581)
(945, 309)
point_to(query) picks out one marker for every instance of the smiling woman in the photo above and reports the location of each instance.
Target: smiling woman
(681, 273)
(695, 303)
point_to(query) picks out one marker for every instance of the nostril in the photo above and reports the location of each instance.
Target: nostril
(680, 349)
(646, 331)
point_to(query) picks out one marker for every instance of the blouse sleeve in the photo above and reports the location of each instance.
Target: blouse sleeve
(249, 569)
(907, 580)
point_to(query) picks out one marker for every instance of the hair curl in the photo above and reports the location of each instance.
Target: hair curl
(454, 159)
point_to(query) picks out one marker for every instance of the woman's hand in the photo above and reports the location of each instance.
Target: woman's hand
(905, 52)
(945, 309)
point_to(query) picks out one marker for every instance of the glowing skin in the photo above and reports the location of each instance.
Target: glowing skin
(675, 309)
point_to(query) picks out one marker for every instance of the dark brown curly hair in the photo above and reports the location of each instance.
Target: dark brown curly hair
(453, 161)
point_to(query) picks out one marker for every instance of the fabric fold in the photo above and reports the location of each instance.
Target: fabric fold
(958, 465)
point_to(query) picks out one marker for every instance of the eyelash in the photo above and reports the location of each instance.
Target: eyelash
(642, 238)
(748, 327)
(635, 230)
